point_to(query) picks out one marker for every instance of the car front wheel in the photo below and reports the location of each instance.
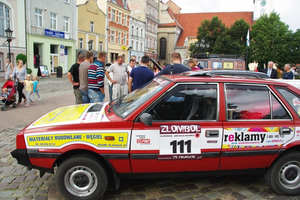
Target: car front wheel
(284, 175)
(81, 177)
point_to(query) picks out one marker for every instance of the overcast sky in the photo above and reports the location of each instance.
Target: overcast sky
(289, 10)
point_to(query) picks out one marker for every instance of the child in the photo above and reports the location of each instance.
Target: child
(35, 87)
(29, 89)
(4, 94)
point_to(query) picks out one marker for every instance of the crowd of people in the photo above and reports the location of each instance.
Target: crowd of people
(90, 78)
(289, 71)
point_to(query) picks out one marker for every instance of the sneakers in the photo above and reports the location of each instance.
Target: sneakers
(27, 105)
(40, 99)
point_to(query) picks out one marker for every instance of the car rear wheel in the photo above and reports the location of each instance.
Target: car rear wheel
(284, 175)
(81, 177)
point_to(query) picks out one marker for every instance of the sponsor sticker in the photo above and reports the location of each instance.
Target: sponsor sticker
(94, 139)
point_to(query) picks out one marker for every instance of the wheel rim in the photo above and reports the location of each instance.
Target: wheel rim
(81, 181)
(289, 176)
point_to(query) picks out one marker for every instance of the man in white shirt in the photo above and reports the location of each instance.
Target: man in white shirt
(118, 69)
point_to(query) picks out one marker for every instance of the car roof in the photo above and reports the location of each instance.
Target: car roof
(229, 72)
(208, 78)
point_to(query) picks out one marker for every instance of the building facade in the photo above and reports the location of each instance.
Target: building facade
(12, 15)
(51, 34)
(91, 28)
(152, 21)
(136, 38)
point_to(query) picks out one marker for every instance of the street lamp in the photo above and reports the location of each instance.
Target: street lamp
(203, 45)
(90, 44)
(9, 39)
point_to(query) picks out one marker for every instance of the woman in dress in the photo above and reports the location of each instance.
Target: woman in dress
(20, 73)
(8, 69)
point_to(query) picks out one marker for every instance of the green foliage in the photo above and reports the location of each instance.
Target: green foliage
(21, 57)
(270, 41)
(224, 40)
(29, 71)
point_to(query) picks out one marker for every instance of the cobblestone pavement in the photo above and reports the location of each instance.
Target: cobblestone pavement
(18, 183)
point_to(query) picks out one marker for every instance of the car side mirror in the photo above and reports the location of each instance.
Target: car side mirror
(146, 119)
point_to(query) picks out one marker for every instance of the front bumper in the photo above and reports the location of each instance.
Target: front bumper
(22, 157)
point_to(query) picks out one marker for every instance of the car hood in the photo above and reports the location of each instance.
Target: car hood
(75, 114)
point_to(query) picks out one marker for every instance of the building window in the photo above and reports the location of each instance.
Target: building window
(141, 47)
(163, 48)
(91, 26)
(112, 37)
(124, 39)
(67, 1)
(119, 38)
(113, 15)
(66, 24)
(80, 43)
(137, 31)
(132, 30)
(100, 46)
(4, 18)
(149, 26)
(132, 44)
(119, 18)
(146, 43)
(141, 33)
(38, 17)
(137, 46)
(125, 20)
(53, 21)
(153, 29)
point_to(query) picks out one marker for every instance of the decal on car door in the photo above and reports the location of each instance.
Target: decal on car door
(178, 142)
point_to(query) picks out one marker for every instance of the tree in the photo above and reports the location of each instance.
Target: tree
(213, 31)
(295, 47)
(270, 41)
(224, 40)
(238, 33)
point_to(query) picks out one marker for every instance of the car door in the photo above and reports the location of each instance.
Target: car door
(257, 126)
(185, 134)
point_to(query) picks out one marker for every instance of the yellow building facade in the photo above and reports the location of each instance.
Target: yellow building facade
(91, 28)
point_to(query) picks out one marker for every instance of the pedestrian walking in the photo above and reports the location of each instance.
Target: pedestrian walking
(73, 76)
(8, 69)
(140, 75)
(29, 90)
(118, 69)
(20, 73)
(35, 87)
(270, 71)
(96, 79)
(83, 76)
(176, 67)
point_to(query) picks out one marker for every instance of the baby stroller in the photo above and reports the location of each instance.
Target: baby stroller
(11, 100)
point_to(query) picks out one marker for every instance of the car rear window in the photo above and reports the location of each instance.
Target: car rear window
(249, 102)
(292, 98)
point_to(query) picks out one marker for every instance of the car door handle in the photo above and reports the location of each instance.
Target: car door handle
(284, 131)
(212, 133)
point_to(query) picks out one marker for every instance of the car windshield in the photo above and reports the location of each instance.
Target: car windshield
(126, 105)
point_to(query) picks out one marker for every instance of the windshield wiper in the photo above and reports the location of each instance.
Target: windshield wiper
(117, 102)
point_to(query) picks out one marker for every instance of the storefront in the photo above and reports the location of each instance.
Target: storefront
(53, 49)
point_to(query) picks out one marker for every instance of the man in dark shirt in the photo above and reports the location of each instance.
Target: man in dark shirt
(176, 68)
(73, 76)
(140, 75)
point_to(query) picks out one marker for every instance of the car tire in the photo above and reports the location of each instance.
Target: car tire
(81, 177)
(283, 177)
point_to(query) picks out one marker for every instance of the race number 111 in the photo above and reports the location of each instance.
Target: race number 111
(181, 145)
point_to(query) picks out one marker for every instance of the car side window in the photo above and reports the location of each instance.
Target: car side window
(249, 102)
(292, 98)
(187, 102)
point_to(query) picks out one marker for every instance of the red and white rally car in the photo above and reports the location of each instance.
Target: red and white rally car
(176, 125)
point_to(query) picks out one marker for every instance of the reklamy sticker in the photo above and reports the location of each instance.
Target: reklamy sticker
(180, 157)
